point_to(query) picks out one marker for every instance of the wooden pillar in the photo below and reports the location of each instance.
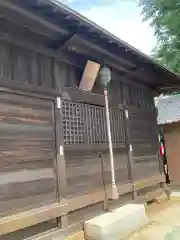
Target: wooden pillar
(60, 160)
(104, 182)
(161, 169)
(130, 152)
(161, 166)
(155, 111)
(59, 80)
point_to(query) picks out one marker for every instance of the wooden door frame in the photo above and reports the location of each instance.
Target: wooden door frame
(59, 209)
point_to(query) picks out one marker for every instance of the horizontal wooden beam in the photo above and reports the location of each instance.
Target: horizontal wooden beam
(97, 196)
(86, 200)
(92, 147)
(145, 158)
(29, 218)
(62, 57)
(102, 56)
(11, 24)
(149, 182)
(59, 234)
(78, 95)
(167, 89)
(73, 229)
(30, 92)
(80, 45)
(150, 195)
(32, 17)
(122, 189)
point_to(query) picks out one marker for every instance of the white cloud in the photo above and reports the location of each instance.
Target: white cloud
(123, 19)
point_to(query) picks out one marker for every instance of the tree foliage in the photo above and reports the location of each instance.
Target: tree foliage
(164, 16)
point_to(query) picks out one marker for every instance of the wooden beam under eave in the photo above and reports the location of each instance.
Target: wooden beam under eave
(82, 44)
(141, 76)
(94, 56)
(99, 55)
(23, 23)
(32, 17)
(167, 89)
(68, 58)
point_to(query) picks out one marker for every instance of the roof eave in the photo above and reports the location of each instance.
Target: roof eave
(109, 35)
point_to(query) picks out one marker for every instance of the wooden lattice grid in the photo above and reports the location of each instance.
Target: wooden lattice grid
(86, 124)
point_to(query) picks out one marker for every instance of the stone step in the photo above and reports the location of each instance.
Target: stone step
(117, 224)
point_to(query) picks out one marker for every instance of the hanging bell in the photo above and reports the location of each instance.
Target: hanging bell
(104, 76)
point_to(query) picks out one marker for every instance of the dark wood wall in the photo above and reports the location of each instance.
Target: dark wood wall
(85, 135)
(144, 140)
(25, 67)
(28, 167)
(27, 157)
(85, 174)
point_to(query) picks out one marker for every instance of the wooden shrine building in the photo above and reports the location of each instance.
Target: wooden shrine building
(51, 177)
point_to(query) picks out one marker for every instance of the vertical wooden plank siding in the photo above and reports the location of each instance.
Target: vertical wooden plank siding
(5, 62)
(22, 67)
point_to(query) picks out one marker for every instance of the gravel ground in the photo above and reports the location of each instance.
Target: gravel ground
(164, 222)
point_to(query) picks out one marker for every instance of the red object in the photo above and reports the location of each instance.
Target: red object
(162, 149)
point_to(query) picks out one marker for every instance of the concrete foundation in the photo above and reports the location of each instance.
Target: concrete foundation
(117, 224)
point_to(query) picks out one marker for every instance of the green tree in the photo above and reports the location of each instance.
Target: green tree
(164, 16)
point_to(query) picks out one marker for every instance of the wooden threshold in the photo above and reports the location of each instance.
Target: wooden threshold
(145, 158)
(59, 234)
(97, 196)
(150, 195)
(29, 218)
(149, 182)
(85, 200)
(122, 189)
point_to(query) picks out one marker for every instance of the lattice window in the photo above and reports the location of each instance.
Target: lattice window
(73, 123)
(95, 124)
(86, 124)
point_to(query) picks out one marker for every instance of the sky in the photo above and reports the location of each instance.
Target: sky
(120, 17)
